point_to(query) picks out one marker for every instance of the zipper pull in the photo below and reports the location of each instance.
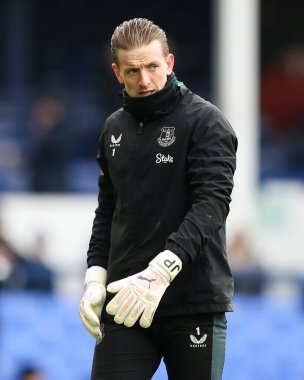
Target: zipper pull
(140, 128)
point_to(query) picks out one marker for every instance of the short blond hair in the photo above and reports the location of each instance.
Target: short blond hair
(135, 33)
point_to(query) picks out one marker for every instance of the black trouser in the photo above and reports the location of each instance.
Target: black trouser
(193, 347)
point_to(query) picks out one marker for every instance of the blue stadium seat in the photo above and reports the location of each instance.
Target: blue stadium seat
(265, 338)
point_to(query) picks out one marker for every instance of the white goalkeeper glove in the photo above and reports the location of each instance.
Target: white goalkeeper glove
(140, 294)
(92, 302)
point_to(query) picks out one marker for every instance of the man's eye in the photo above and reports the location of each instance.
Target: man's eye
(153, 66)
(132, 71)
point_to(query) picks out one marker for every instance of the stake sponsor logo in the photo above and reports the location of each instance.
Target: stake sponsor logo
(165, 159)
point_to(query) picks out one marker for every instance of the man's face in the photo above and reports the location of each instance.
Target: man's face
(143, 70)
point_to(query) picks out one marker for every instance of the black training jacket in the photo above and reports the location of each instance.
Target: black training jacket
(166, 184)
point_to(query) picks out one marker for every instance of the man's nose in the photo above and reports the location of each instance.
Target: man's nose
(144, 78)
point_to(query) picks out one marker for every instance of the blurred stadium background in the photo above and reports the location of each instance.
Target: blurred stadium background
(56, 88)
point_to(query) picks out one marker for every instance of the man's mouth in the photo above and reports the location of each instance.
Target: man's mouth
(146, 93)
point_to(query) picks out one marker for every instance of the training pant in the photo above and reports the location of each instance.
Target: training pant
(193, 347)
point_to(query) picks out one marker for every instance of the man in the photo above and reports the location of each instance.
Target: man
(167, 161)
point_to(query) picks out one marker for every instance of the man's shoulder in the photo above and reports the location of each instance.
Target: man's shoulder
(206, 111)
(198, 105)
(114, 116)
(114, 120)
(196, 99)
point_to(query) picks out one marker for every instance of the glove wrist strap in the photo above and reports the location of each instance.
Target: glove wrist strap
(95, 274)
(168, 264)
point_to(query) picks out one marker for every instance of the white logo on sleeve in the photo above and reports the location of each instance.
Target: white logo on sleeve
(166, 137)
(115, 143)
(161, 158)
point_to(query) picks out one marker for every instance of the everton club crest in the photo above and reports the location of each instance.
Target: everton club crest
(166, 137)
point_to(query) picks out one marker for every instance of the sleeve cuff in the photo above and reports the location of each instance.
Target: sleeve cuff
(95, 274)
(178, 250)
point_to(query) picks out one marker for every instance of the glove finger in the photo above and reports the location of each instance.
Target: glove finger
(116, 286)
(125, 308)
(93, 330)
(134, 314)
(148, 314)
(88, 313)
(115, 303)
(97, 299)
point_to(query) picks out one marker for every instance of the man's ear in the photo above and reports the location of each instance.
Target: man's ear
(170, 63)
(117, 73)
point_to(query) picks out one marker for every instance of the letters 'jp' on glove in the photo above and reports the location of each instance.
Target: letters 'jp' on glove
(139, 295)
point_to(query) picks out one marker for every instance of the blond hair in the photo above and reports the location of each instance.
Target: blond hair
(135, 33)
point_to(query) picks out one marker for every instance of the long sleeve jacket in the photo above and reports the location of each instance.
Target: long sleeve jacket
(166, 184)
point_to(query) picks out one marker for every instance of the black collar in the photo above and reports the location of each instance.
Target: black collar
(155, 105)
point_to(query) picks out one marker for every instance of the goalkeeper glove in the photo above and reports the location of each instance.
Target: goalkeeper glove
(140, 294)
(92, 302)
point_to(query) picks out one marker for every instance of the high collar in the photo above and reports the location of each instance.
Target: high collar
(155, 105)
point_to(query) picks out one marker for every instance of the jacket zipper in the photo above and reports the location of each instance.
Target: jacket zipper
(140, 128)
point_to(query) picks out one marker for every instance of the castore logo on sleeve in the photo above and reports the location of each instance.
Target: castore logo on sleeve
(115, 143)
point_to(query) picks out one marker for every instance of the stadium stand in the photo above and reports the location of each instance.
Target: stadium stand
(265, 338)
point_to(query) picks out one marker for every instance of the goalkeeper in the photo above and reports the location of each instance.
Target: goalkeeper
(158, 282)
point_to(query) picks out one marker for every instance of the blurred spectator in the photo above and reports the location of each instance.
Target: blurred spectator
(283, 92)
(282, 106)
(18, 272)
(8, 265)
(30, 373)
(50, 145)
(39, 275)
(248, 275)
